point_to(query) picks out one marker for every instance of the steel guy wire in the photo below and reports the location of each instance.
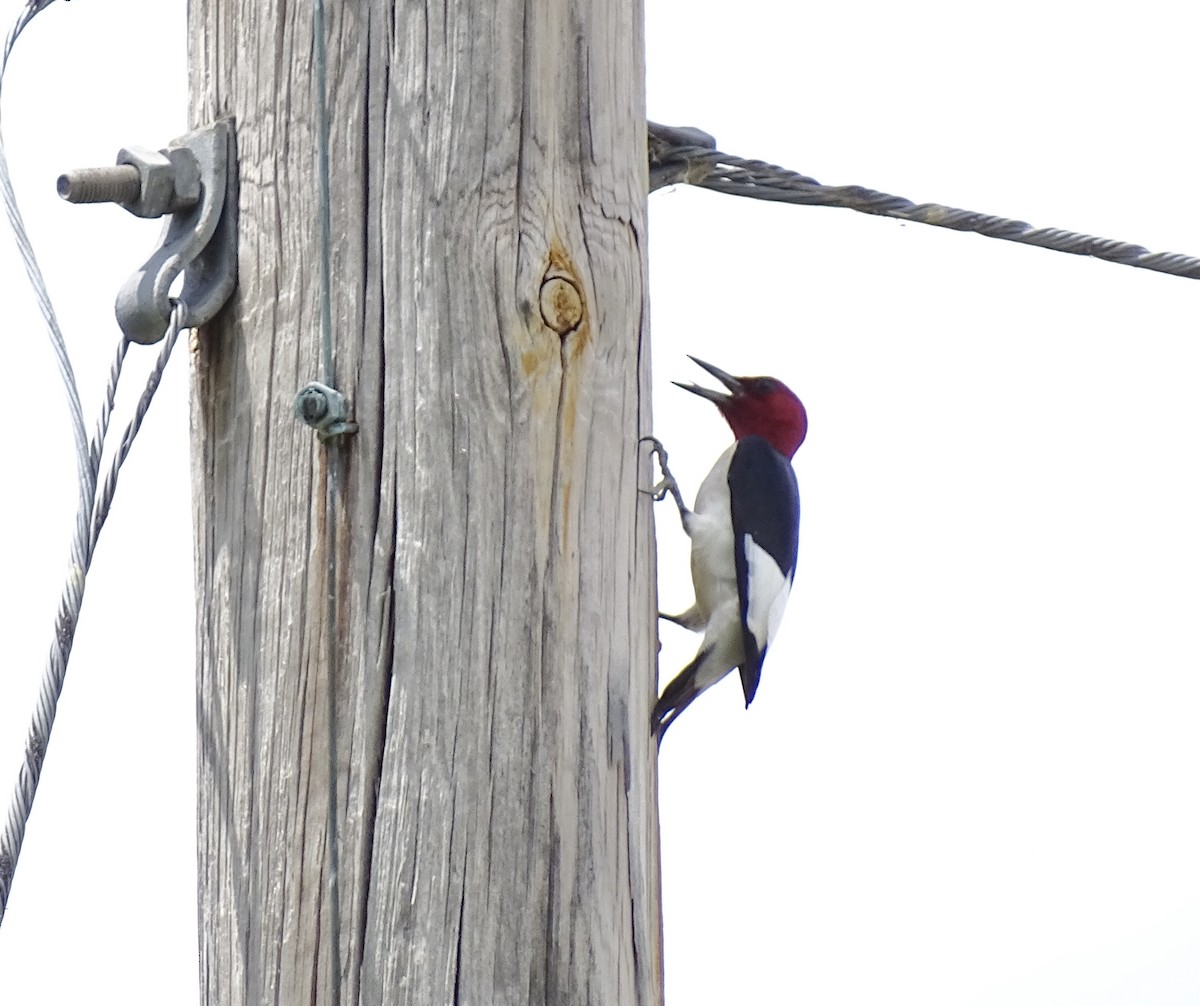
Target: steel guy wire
(104, 501)
(90, 518)
(33, 270)
(51, 687)
(70, 604)
(332, 486)
(328, 376)
(708, 168)
(96, 447)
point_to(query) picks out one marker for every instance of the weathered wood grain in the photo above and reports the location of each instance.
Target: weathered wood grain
(495, 634)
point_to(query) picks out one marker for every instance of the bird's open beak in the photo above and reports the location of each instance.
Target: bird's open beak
(731, 382)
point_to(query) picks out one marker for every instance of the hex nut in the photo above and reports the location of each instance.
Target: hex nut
(158, 181)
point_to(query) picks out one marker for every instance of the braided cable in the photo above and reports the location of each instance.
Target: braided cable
(72, 599)
(104, 500)
(677, 157)
(90, 517)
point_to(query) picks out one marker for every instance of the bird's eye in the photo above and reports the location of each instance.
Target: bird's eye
(766, 386)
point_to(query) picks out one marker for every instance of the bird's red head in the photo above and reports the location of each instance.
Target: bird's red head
(761, 406)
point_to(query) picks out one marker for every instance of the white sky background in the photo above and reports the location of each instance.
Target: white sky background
(970, 774)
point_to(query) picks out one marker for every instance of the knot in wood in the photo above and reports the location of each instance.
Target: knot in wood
(562, 304)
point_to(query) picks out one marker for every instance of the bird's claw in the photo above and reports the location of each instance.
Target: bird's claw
(667, 484)
(659, 491)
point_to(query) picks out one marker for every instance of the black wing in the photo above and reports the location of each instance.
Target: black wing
(764, 504)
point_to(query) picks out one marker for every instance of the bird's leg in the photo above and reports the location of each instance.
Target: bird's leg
(668, 483)
(690, 619)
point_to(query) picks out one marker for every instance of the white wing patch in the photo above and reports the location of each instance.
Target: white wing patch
(769, 590)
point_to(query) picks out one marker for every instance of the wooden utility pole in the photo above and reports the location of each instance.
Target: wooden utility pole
(495, 645)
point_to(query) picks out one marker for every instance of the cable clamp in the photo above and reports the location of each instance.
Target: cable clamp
(193, 180)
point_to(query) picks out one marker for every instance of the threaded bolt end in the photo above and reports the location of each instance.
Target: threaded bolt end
(121, 183)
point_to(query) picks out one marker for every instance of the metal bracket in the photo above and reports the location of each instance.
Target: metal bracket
(194, 180)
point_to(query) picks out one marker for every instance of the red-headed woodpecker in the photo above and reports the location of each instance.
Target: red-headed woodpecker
(744, 530)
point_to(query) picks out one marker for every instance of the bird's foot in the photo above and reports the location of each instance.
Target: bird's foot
(659, 491)
(667, 484)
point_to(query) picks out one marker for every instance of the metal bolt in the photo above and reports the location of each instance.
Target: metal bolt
(325, 409)
(119, 184)
(312, 405)
(148, 183)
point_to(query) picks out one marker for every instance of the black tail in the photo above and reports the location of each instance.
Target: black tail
(676, 697)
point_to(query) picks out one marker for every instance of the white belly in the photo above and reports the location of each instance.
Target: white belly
(714, 576)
